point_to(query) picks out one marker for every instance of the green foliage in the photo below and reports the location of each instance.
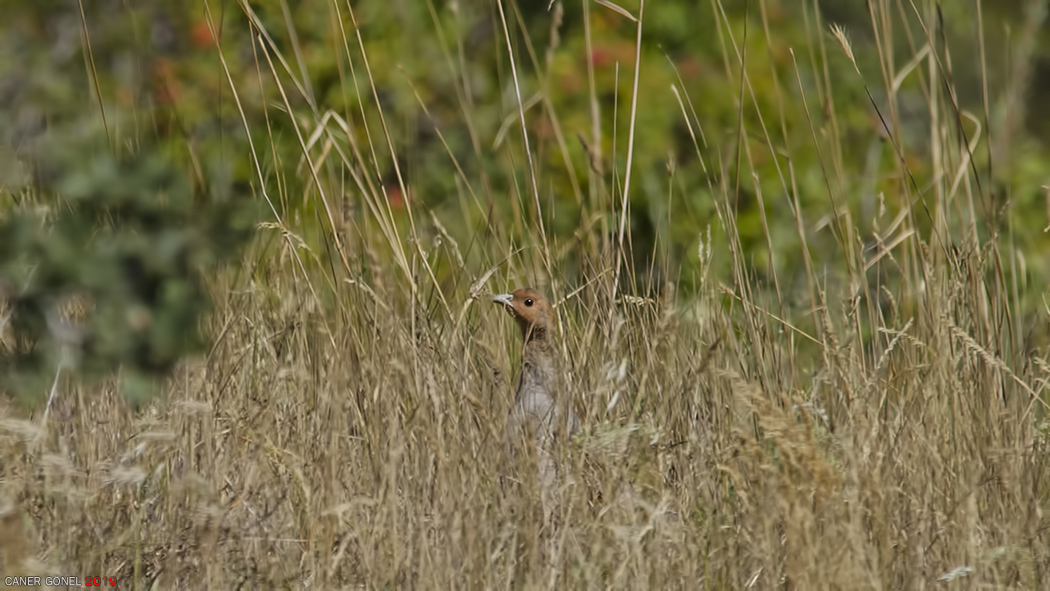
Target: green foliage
(106, 273)
(111, 214)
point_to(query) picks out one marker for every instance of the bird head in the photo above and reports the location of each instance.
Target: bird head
(531, 311)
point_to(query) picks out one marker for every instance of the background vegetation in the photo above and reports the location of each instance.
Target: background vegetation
(796, 248)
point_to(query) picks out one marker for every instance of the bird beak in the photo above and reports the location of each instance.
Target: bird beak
(504, 298)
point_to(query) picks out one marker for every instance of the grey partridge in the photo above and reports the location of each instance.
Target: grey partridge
(539, 411)
(542, 409)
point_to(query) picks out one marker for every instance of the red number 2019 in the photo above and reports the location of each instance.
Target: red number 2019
(100, 581)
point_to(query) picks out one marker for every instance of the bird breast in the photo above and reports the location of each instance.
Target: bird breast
(535, 392)
(536, 413)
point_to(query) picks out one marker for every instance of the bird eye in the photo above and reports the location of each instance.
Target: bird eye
(528, 303)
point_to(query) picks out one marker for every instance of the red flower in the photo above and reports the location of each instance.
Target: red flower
(200, 35)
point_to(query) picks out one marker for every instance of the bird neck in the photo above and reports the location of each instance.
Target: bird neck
(536, 337)
(538, 364)
(538, 351)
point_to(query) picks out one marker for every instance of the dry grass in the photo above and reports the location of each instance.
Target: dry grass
(347, 432)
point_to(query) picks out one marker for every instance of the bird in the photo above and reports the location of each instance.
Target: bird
(541, 412)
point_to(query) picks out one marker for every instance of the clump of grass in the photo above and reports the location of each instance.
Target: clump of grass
(346, 428)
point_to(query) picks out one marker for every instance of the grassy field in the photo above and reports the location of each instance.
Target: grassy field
(874, 420)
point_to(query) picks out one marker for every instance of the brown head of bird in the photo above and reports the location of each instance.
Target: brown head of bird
(531, 311)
